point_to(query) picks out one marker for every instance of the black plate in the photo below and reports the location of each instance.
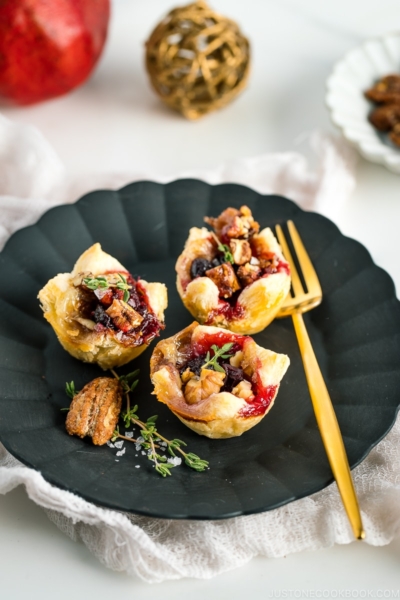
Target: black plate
(355, 333)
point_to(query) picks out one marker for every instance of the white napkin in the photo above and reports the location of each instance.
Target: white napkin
(32, 179)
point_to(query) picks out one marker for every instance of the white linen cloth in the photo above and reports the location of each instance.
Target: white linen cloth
(32, 179)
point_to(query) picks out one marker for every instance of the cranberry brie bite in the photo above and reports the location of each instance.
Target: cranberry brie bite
(100, 313)
(218, 383)
(237, 277)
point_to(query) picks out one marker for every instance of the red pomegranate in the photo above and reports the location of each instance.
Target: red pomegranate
(48, 47)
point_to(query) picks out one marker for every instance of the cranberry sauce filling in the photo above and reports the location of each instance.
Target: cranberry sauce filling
(263, 396)
(231, 309)
(261, 400)
(95, 304)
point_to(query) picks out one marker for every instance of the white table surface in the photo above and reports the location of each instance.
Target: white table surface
(116, 123)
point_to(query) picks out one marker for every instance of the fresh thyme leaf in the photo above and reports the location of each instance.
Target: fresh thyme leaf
(116, 434)
(127, 416)
(123, 285)
(195, 462)
(164, 469)
(131, 375)
(64, 408)
(70, 389)
(126, 379)
(228, 256)
(212, 363)
(177, 443)
(134, 384)
(93, 283)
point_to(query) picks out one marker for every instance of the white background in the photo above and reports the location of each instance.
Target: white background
(116, 124)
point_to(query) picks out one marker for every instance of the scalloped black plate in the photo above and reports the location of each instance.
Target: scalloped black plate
(355, 333)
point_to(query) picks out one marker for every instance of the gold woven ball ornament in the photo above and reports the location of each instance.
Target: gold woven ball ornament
(197, 60)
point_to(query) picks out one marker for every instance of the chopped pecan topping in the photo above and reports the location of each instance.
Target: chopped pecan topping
(124, 316)
(233, 223)
(225, 279)
(94, 411)
(243, 390)
(385, 117)
(241, 251)
(236, 359)
(248, 273)
(199, 388)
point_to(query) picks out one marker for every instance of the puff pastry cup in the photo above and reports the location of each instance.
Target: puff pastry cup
(219, 403)
(100, 313)
(237, 277)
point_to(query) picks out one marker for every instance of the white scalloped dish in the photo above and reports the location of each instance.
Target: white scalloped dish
(351, 77)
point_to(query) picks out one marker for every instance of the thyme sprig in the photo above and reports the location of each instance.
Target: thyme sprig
(94, 283)
(228, 256)
(212, 362)
(151, 435)
(151, 439)
(226, 251)
(123, 285)
(70, 389)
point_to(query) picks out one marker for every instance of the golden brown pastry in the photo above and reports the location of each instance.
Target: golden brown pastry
(218, 383)
(100, 313)
(237, 277)
(94, 411)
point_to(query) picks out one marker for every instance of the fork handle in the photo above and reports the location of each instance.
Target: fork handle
(328, 427)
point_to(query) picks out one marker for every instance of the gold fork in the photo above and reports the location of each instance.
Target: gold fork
(295, 305)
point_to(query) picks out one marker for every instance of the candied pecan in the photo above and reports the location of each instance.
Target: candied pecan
(233, 223)
(248, 273)
(269, 264)
(197, 389)
(241, 251)
(124, 316)
(225, 279)
(225, 218)
(94, 411)
(385, 90)
(385, 117)
(395, 134)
